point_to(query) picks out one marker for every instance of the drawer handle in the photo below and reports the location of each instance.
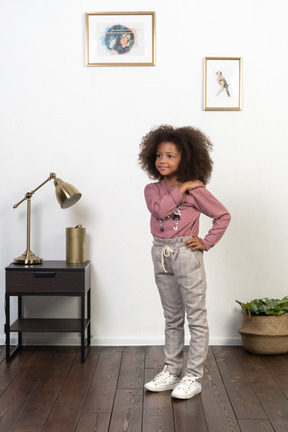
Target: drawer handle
(44, 274)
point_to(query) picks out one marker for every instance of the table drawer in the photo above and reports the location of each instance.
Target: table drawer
(48, 281)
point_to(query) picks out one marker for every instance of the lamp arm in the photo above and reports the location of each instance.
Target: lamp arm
(29, 194)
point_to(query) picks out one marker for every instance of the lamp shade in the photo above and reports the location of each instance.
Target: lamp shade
(66, 194)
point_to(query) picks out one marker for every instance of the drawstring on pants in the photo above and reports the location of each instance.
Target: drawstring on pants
(166, 252)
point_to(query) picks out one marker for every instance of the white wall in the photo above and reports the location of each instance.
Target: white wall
(85, 124)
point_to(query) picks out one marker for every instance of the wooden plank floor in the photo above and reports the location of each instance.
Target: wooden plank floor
(50, 390)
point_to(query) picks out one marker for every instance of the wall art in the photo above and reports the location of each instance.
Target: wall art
(120, 38)
(222, 83)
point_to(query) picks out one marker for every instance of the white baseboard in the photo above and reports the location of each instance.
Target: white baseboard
(148, 342)
(43, 339)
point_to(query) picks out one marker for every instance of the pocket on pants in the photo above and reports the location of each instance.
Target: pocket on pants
(198, 257)
(194, 257)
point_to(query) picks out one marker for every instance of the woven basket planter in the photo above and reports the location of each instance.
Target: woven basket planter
(265, 335)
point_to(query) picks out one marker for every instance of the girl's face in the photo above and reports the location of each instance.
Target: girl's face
(168, 158)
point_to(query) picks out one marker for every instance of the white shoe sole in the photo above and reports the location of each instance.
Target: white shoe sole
(160, 389)
(176, 395)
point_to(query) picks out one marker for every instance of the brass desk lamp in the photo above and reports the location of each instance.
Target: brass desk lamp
(66, 194)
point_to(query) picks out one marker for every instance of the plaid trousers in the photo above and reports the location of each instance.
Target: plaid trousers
(181, 281)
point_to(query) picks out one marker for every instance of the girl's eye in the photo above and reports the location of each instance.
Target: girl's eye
(170, 156)
(158, 156)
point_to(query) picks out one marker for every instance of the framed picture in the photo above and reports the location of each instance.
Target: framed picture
(120, 38)
(222, 83)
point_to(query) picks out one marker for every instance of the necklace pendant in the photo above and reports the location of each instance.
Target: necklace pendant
(176, 217)
(176, 214)
(175, 227)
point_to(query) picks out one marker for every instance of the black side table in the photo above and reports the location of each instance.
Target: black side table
(51, 278)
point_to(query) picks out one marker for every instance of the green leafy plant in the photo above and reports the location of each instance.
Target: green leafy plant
(264, 307)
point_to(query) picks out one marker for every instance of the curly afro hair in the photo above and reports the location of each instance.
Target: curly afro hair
(193, 145)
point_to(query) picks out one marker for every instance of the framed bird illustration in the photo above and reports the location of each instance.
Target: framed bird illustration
(222, 83)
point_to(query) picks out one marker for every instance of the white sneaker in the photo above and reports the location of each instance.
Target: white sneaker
(162, 381)
(187, 388)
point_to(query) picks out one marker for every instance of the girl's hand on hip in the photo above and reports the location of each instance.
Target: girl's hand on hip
(195, 243)
(190, 185)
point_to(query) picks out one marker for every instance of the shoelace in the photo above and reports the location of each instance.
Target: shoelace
(186, 383)
(166, 252)
(162, 376)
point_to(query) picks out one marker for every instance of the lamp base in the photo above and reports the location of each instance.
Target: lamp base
(28, 257)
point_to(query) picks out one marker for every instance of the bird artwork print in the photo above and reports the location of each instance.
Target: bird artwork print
(223, 83)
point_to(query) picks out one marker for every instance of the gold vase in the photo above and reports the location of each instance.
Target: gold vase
(75, 244)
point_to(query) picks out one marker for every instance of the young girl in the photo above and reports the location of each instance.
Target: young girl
(179, 158)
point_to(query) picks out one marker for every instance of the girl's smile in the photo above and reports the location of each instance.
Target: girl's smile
(167, 161)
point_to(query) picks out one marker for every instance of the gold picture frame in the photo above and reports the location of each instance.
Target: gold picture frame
(120, 39)
(222, 83)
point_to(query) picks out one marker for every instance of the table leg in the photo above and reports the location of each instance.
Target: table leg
(83, 328)
(7, 326)
(89, 318)
(19, 317)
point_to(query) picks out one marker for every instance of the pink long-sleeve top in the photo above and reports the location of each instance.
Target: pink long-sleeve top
(162, 200)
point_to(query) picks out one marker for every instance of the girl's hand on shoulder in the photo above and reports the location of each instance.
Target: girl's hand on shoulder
(190, 185)
(195, 243)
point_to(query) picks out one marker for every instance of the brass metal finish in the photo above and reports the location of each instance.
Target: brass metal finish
(28, 257)
(66, 194)
(75, 244)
